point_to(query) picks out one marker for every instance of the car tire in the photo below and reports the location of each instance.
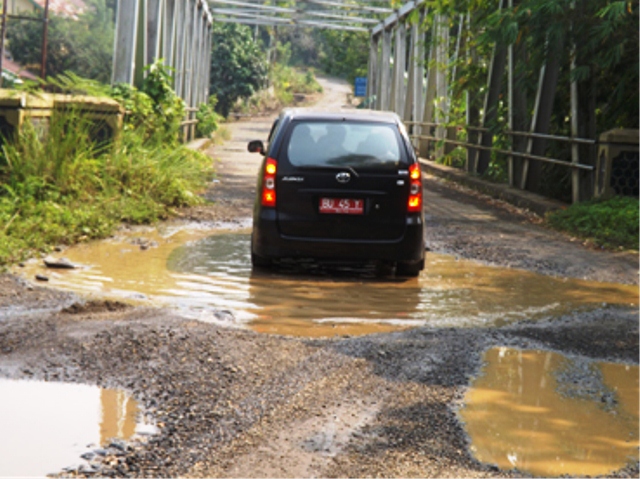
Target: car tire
(259, 262)
(409, 268)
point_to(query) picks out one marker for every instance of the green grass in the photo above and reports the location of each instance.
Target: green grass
(612, 224)
(64, 187)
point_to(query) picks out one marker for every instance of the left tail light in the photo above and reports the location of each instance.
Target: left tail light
(414, 204)
(269, 183)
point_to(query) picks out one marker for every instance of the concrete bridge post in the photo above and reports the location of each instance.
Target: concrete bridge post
(125, 41)
(385, 70)
(373, 70)
(399, 68)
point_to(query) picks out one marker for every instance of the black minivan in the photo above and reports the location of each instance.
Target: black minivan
(343, 186)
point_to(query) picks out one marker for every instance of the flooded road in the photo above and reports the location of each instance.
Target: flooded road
(550, 415)
(207, 275)
(538, 411)
(45, 427)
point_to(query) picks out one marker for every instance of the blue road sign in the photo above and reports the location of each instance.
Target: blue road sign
(361, 86)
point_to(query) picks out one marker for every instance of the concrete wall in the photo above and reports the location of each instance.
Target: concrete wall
(16, 108)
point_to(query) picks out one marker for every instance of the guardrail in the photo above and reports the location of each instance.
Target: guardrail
(188, 125)
(511, 152)
(443, 139)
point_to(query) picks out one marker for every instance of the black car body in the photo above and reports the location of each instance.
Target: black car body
(339, 186)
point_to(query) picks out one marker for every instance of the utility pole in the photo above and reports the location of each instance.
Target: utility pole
(2, 39)
(45, 33)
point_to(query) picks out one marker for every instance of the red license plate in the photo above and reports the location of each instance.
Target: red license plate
(342, 206)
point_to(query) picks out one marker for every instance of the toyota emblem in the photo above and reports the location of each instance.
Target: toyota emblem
(343, 177)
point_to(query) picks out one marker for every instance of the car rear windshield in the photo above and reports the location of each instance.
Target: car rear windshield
(357, 145)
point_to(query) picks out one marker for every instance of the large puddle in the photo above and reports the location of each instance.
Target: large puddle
(207, 275)
(549, 415)
(45, 427)
(540, 412)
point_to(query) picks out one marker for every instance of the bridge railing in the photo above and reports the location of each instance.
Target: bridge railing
(438, 140)
(188, 125)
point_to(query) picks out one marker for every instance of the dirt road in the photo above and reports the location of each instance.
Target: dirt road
(231, 403)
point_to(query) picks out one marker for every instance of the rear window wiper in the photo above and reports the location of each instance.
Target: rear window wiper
(330, 167)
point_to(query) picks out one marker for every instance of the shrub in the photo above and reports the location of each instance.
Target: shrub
(168, 107)
(207, 117)
(608, 223)
(153, 109)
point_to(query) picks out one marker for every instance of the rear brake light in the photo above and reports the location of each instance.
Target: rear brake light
(414, 205)
(269, 183)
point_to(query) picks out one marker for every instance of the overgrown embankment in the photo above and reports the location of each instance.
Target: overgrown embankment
(65, 186)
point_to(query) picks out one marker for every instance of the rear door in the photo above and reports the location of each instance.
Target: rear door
(342, 180)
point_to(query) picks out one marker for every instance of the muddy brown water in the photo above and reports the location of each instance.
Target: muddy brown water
(516, 413)
(207, 275)
(45, 427)
(548, 415)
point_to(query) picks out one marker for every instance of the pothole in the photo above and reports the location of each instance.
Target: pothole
(550, 415)
(47, 427)
(207, 275)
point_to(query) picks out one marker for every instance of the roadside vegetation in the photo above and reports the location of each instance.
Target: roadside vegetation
(611, 224)
(68, 186)
(290, 86)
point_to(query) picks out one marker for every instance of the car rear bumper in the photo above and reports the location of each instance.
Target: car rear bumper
(268, 242)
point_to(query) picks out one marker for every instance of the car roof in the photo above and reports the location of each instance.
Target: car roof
(350, 114)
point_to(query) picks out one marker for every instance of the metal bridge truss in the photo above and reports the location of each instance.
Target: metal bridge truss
(178, 31)
(358, 15)
(403, 76)
(401, 81)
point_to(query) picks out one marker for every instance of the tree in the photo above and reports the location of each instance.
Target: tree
(592, 42)
(238, 65)
(605, 37)
(344, 53)
(83, 46)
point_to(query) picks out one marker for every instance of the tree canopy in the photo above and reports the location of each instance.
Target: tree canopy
(602, 38)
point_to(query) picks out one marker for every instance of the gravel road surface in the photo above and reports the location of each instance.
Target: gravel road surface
(234, 403)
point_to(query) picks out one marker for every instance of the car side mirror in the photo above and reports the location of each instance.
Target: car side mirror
(256, 146)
